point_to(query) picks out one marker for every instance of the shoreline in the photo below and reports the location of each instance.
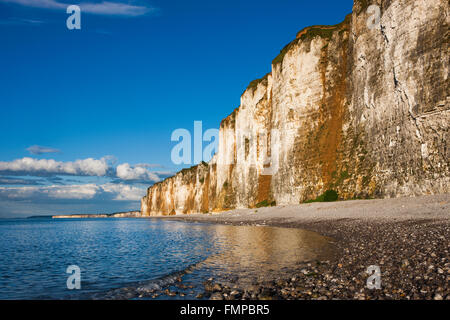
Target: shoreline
(406, 237)
(127, 214)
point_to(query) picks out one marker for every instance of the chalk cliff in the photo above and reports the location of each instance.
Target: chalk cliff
(360, 110)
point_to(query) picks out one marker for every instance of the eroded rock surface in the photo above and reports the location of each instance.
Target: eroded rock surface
(363, 111)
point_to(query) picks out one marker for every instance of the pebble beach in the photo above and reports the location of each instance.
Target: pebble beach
(407, 238)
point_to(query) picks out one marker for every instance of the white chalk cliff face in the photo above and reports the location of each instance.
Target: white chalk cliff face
(363, 111)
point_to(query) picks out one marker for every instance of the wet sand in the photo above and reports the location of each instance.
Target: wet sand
(408, 238)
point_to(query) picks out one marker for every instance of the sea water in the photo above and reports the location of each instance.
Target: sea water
(123, 258)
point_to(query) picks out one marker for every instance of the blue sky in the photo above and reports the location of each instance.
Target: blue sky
(86, 115)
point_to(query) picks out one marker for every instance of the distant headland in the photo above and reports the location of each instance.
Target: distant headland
(128, 214)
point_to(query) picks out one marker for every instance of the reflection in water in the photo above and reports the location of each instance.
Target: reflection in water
(254, 253)
(241, 255)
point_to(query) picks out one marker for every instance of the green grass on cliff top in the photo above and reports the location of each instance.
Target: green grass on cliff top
(310, 33)
(255, 83)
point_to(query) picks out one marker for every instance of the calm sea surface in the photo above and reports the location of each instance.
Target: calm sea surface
(130, 258)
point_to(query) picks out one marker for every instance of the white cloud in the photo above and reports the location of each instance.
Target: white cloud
(87, 191)
(101, 8)
(124, 192)
(36, 150)
(20, 21)
(126, 172)
(20, 181)
(148, 165)
(48, 4)
(104, 167)
(86, 167)
(114, 8)
(79, 192)
(117, 192)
